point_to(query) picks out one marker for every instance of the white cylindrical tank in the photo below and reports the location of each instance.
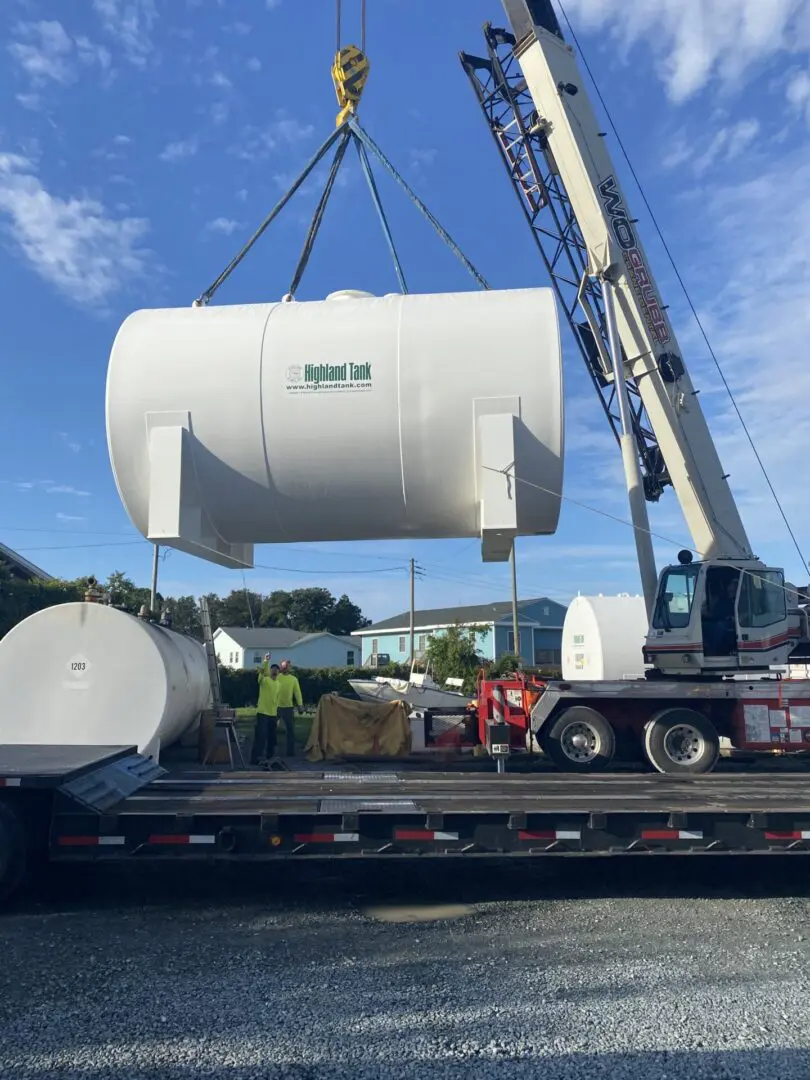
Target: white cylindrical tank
(603, 638)
(349, 418)
(90, 675)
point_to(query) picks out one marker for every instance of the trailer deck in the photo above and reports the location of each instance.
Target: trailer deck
(331, 812)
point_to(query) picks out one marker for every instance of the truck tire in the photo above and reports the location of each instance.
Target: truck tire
(13, 852)
(579, 740)
(682, 742)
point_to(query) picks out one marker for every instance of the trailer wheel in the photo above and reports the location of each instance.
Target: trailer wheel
(580, 740)
(13, 852)
(681, 741)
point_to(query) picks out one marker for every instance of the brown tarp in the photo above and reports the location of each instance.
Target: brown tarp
(344, 727)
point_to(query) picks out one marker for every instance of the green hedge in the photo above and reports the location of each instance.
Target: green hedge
(240, 686)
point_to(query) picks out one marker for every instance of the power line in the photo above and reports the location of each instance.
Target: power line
(80, 547)
(686, 293)
(341, 573)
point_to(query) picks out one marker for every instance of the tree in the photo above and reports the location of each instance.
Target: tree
(454, 654)
(275, 609)
(346, 617)
(311, 609)
(185, 615)
(239, 608)
(124, 593)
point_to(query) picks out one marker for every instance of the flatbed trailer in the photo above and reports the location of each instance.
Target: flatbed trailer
(68, 804)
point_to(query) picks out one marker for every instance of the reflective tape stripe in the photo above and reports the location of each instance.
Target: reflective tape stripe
(91, 841)
(10, 781)
(158, 838)
(327, 838)
(804, 835)
(423, 834)
(550, 834)
(671, 834)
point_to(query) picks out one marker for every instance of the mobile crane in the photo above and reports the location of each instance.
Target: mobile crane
(710, 619)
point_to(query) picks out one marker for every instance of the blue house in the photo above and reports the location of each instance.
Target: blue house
(540, 624)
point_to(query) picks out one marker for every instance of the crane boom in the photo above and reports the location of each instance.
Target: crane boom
(650, 350)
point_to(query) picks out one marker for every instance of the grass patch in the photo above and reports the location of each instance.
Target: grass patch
(245, 719)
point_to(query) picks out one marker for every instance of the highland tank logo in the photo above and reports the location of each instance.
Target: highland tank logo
(328, 378)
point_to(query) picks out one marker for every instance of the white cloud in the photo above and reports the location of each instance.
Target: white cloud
(66, 489)
(69, 517)
(71, 443)
(44, 53)
(420, 159)
(241, 29)
(798, 93)
(73, 243)
(223, 225)
(254, 64)
(130, 24)
(698, 42)
(122, 140)
(271, 5)
(219, 112)
(89, 53)
(30, 101)
(282, 131)
(220, 81)
(726, 144)
(183, 148)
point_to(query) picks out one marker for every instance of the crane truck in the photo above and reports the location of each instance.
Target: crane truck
(718, 625)
(111, 803)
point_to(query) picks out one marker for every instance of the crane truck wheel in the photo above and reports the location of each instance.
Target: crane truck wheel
(579, 740)
(681, 742)
(13, 852)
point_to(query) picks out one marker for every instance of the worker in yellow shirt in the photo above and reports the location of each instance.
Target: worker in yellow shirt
(289, 695)
(264, 732)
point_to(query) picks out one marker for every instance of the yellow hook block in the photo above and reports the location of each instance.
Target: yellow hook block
(349, 74)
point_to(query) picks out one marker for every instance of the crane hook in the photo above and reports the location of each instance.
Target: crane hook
(350, 68)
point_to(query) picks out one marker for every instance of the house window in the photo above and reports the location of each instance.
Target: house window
(546, 611)
(230, 659)
(375, 645)
(402, 644)
(350, 658)
(422, 642)
(257, 658)
(552, 656)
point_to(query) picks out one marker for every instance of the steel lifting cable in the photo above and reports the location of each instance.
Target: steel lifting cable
(205, 296)
(317, 217)
(369, 143)
(375, 196)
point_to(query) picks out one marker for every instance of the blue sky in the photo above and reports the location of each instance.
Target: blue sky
(142, 140)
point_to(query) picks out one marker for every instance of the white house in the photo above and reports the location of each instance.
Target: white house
(238, 647)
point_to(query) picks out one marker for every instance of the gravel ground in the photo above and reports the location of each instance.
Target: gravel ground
(647, 970)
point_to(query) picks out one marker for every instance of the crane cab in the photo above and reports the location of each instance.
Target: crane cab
(720, 617)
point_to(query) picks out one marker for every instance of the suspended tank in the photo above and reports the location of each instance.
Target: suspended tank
(90, 675)
(350, 418)
(603, 638)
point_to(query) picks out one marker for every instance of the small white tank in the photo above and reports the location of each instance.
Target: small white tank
(89, 675)
(354, 417)
(603, 638)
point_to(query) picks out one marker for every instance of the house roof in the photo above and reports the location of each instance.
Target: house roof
(20, 567)
(474, 613)
(274, 637)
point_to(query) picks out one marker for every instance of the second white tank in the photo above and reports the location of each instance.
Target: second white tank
(603, 638)
(344, 419)
(89, 675)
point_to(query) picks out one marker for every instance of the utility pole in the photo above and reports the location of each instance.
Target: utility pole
(413, 598)
(153, 596)
(515, 625)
